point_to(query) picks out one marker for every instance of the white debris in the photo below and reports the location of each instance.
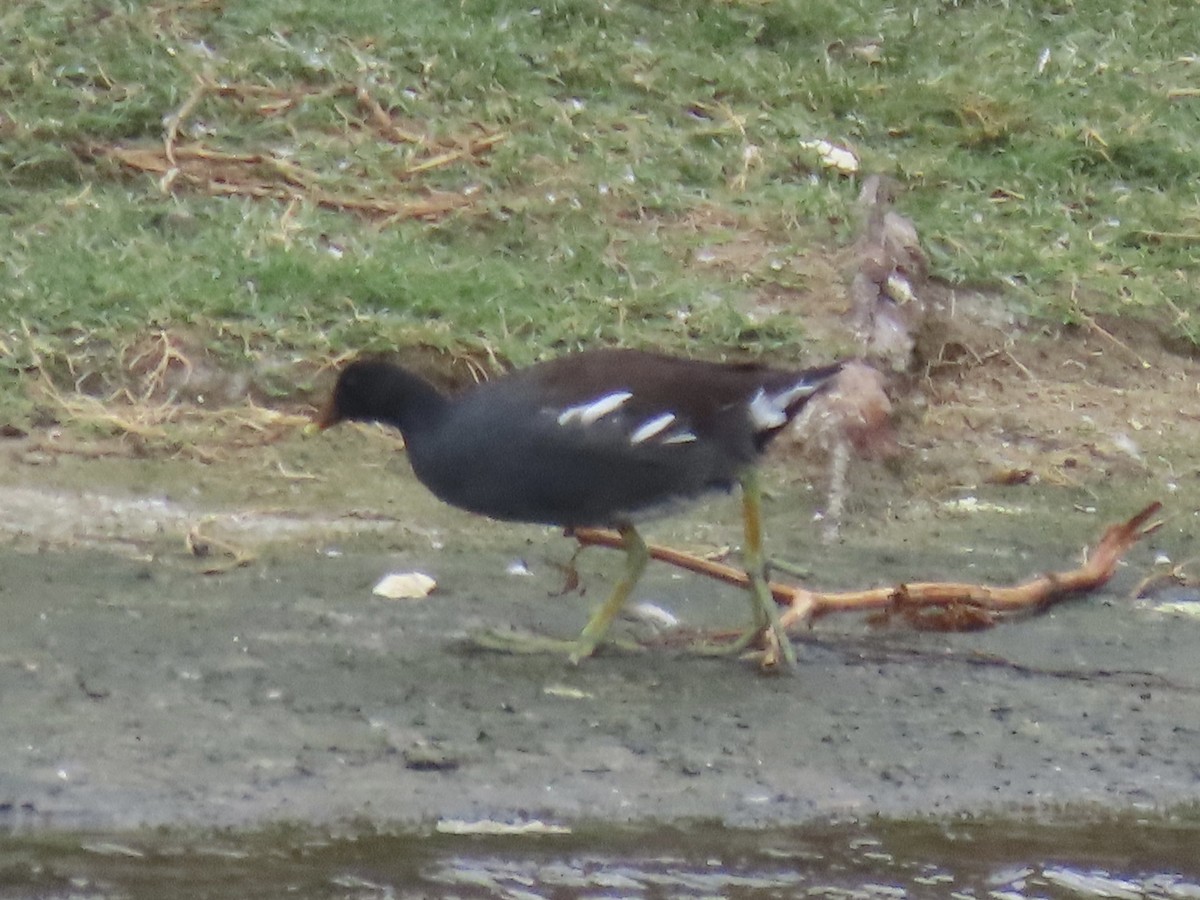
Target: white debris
(518, 567)
(833, 157)
(655, 616)
(970, 505)
(488, 826)
(404, 586)
(566, 692)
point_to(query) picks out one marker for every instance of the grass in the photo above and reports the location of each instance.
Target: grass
(494, 179)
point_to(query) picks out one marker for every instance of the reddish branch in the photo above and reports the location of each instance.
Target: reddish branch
(934, 605)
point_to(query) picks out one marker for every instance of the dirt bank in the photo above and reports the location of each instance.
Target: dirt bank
(139, 690)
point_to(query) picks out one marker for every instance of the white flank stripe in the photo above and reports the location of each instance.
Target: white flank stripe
(765, 414)
(588, 413)
(794, 393)
(770, 411)
(684, 437)
(651, 428)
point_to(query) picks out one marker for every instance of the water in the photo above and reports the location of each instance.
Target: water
(1001, 859)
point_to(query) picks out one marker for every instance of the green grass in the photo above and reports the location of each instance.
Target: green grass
(624, 128)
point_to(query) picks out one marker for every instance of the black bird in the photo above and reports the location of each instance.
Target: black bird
(600, 438)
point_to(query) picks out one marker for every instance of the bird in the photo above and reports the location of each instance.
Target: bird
(600, 438)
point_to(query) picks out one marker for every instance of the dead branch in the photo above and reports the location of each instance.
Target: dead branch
(945, 606)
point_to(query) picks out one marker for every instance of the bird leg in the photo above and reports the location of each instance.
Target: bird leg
(596, 630)
(765, 612)
(636, 557)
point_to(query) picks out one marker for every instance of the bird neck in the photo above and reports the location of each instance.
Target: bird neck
(407, 402)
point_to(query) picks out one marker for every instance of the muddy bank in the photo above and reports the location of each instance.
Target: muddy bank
(138, 691)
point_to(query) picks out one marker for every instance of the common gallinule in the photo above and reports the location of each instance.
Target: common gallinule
(600, 438)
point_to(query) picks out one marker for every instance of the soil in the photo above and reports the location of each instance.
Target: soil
(247, 675)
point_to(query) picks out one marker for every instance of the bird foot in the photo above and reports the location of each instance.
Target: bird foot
(774, 654)
(759, 644)
(778, 654)
(744, 642)
(527, 643)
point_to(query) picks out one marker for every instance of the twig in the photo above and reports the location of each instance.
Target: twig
(935, 605)
(226, 556)
(380, 119)
(1187, 237)
(298, 183)
(1111, 338)
(839, 465)
(474, 148)
(177, 118)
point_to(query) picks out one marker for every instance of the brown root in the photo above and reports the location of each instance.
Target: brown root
(939, 606)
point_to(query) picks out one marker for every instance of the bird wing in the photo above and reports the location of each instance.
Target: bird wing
(604, 437)
(601, 461)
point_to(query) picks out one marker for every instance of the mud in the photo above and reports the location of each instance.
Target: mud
(139, 691)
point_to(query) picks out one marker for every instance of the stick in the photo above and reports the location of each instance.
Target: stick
(940, 605)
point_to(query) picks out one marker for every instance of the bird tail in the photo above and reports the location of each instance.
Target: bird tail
(771, 409)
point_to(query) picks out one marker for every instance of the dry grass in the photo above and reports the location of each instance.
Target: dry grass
(199, 166)
(146, 416)
(208, 167)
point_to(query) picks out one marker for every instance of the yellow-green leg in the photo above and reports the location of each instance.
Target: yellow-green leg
(636, 557)
(765, 612)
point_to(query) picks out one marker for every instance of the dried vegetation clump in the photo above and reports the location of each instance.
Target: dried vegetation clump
(169, 396)
(190, 160)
